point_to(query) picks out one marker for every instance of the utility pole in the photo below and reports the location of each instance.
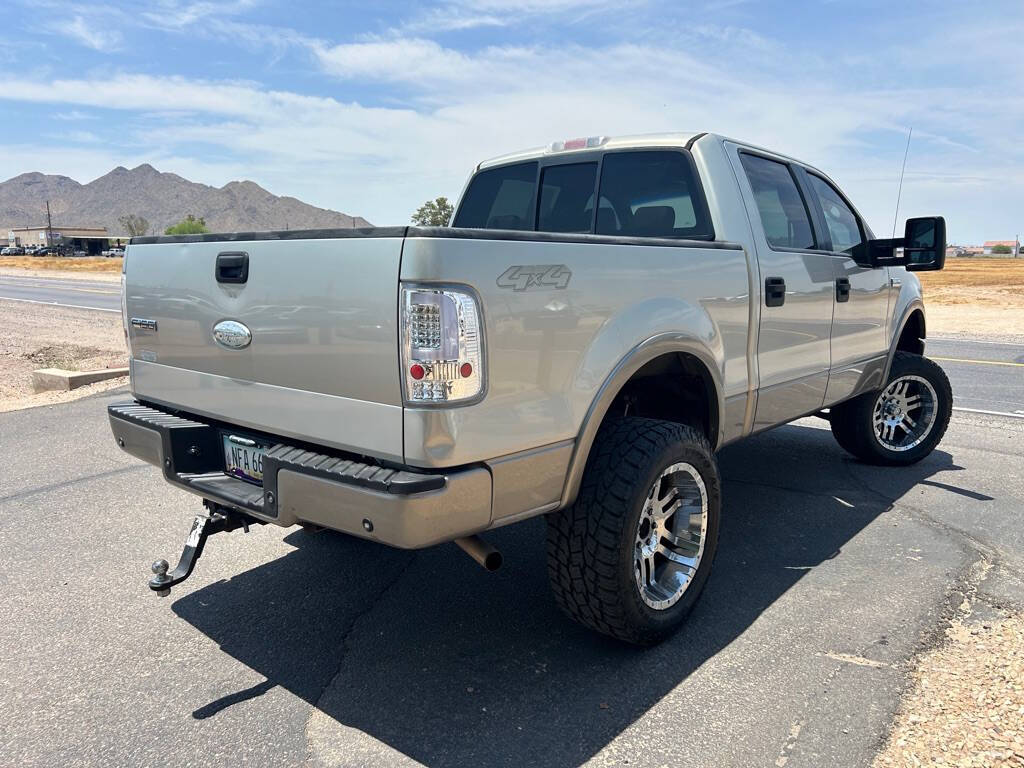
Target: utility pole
(49, 225)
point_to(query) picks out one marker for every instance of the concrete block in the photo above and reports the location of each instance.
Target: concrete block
(47, 379)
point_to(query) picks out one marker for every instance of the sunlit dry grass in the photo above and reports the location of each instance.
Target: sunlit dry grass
(69, 264)
(986, 282)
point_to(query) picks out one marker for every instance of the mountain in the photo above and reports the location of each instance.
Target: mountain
(162, 199)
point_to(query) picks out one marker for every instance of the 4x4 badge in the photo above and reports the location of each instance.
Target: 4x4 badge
(535, 277)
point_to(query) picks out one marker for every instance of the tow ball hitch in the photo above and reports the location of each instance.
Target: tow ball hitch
(214, 519)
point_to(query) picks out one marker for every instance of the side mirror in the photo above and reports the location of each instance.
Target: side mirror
(922, 247)
(924, 244)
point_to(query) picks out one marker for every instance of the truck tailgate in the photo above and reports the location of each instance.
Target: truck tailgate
(322, 363)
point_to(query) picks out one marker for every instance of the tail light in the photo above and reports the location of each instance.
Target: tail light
(442, 357)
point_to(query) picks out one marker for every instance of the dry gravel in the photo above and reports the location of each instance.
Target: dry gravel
(966, 707)
(60, 337)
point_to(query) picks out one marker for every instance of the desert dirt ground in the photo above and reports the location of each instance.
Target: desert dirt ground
(55, 337)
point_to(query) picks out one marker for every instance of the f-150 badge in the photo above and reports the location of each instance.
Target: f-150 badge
(535, 277)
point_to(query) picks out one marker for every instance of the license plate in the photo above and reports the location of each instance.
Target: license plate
(243, 458)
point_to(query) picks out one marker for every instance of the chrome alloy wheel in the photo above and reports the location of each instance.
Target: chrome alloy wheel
(904, 413)
(669, 539)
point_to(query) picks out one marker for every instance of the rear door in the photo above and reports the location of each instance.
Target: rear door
(858, 344)
(797, 290)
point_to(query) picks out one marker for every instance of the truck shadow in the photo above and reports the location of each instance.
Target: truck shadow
(450, 665)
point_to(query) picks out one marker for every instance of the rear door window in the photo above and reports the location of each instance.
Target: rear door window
(500, 198)
(567, 198)
(784, 216)
(651, 193)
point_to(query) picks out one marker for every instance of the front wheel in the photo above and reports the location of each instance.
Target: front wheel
(631, 556)
(904, 421)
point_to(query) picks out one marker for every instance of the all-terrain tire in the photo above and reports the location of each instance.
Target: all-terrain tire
(853, 421)
(591, 544)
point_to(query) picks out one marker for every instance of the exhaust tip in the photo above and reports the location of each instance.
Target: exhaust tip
(483, 553)
(493, 560)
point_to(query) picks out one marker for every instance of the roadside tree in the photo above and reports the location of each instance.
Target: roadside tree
(190, 225)
(434, 213)
(134, 226)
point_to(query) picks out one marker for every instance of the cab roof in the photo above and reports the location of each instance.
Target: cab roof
(666, 139)
(615, 142)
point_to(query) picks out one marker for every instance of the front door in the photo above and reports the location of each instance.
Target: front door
(797, 291)
(859, 344)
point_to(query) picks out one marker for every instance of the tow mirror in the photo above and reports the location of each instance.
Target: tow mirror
(924, 244)
(922, 247)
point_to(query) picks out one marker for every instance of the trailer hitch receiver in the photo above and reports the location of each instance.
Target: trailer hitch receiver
(214, 519)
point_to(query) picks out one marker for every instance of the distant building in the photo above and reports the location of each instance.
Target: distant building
(92, 240)
(990, 244)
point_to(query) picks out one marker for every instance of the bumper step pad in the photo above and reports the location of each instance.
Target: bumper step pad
(192, 455)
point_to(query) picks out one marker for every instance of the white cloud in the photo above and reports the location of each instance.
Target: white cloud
(75, 115)
(406, 60)
(458, 15)
(174, 14)
(91, 32)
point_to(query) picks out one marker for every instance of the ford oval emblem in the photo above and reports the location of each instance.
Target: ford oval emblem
(232, 334)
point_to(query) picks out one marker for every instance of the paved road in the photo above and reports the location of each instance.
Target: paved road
(289, 647)
(985, 375)
(86, 294)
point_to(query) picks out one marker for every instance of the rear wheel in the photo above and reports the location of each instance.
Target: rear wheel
(904, 421)
(631, 556)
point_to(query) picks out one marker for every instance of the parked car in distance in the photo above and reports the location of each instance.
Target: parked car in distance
(49, 250)
(13, 250)
(114, 253)
(601, 318)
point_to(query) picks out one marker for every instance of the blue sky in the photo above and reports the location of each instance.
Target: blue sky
(371, 108)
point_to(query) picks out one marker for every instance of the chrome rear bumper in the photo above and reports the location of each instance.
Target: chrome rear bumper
(396, 506)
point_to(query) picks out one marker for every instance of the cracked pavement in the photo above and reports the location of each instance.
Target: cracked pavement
(289, 647)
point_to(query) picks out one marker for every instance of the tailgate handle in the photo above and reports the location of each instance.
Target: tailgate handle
(232, 267)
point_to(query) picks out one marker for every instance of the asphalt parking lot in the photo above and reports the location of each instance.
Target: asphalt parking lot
(289, 647)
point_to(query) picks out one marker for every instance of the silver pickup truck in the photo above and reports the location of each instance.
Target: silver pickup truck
(601, 317)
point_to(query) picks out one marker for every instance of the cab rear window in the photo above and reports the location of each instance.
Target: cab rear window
(651, 194)
(641, 193)
(500, 198)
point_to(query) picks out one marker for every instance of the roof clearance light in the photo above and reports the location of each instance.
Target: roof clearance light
(590, 142)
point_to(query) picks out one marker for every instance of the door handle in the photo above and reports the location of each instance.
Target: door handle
(774, 291)
(232, 267)
(842, 289)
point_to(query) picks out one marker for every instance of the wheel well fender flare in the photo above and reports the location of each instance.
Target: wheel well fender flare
(633, 361)
(915, 306)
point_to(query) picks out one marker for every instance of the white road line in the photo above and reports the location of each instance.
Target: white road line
(975, 341)
(989, 413)
(59, 281)
(58, 304)
(64, 287)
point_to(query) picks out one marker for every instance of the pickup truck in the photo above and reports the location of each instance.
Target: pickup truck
(602, 316)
